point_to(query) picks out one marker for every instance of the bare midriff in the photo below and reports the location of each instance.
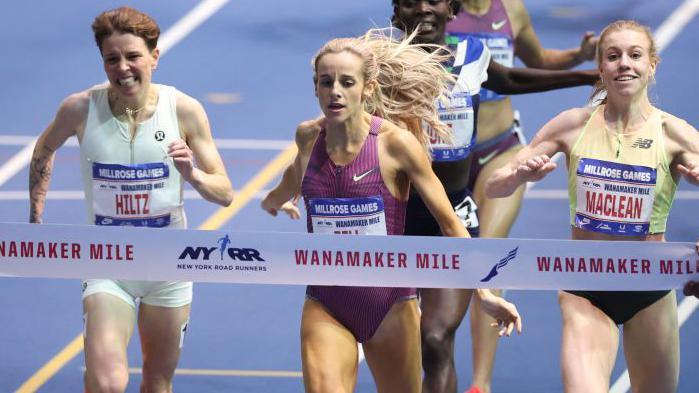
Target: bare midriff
(494, 118)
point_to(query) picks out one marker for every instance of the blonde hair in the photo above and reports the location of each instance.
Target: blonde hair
(409, 79)
(599, 91)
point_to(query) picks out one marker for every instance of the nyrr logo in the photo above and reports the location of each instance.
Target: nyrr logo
(236, 254)
(501, 263)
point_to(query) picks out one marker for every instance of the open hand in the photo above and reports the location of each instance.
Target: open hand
(289, 207)
(505, 313)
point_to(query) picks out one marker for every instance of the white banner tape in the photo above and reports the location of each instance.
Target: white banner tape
(67, 251)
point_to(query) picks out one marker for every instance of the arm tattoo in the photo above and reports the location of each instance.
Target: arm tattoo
(39, 177)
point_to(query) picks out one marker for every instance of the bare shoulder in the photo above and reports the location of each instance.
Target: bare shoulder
(674, 125)
(516, 10)
(569, 120)
(561, 132)
(399, 145)
(194, 124)
(680, 136)
(70, 119)
(577, 115)
(187, 105)
(307, 132)
(75, 107)
(396, 138)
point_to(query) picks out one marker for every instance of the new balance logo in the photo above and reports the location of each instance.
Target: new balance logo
(641, 143)
(363, 175)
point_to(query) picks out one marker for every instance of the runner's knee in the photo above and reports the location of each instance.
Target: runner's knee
(113, 380)
(157, 383)
(437, 342)
(324, 384)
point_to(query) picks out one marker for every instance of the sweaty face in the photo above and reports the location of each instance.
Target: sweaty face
(340, 85)
(128, 63)
(430, 16)
(625, 65)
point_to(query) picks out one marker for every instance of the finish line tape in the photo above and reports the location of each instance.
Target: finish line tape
(80, 252)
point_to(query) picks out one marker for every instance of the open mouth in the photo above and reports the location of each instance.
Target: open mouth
(625, 78)
(335, 106)
(426, 27)
(129, 81)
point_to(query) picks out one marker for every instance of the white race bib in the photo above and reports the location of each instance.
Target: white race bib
(458, 115)
(131, 195)
(355, 216)
(614, 198)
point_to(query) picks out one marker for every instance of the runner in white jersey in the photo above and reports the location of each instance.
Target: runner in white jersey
(138, 145)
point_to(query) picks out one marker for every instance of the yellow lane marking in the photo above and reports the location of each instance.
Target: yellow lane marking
(218, 219)
(242, 197)
(51, 368)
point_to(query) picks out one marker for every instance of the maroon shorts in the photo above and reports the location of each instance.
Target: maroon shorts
(360, 309)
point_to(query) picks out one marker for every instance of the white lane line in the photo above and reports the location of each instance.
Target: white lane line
(17, 162)
(225, 143)
(169, 39)
(664, 34)
(675, 23)
(188, 23)
(15, 140)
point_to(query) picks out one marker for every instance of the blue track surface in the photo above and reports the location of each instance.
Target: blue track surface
(260, 51)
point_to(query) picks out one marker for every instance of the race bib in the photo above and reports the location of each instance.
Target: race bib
(614, 198)
(355, 216)
(458, 115)
(466, 211)
(131, 195)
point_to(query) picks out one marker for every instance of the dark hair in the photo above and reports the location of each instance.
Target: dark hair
(455, 8)
(126, 20)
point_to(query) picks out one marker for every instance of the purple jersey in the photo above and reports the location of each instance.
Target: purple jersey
(353, 199)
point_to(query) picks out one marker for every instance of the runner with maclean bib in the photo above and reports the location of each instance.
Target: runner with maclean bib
(603, 137)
